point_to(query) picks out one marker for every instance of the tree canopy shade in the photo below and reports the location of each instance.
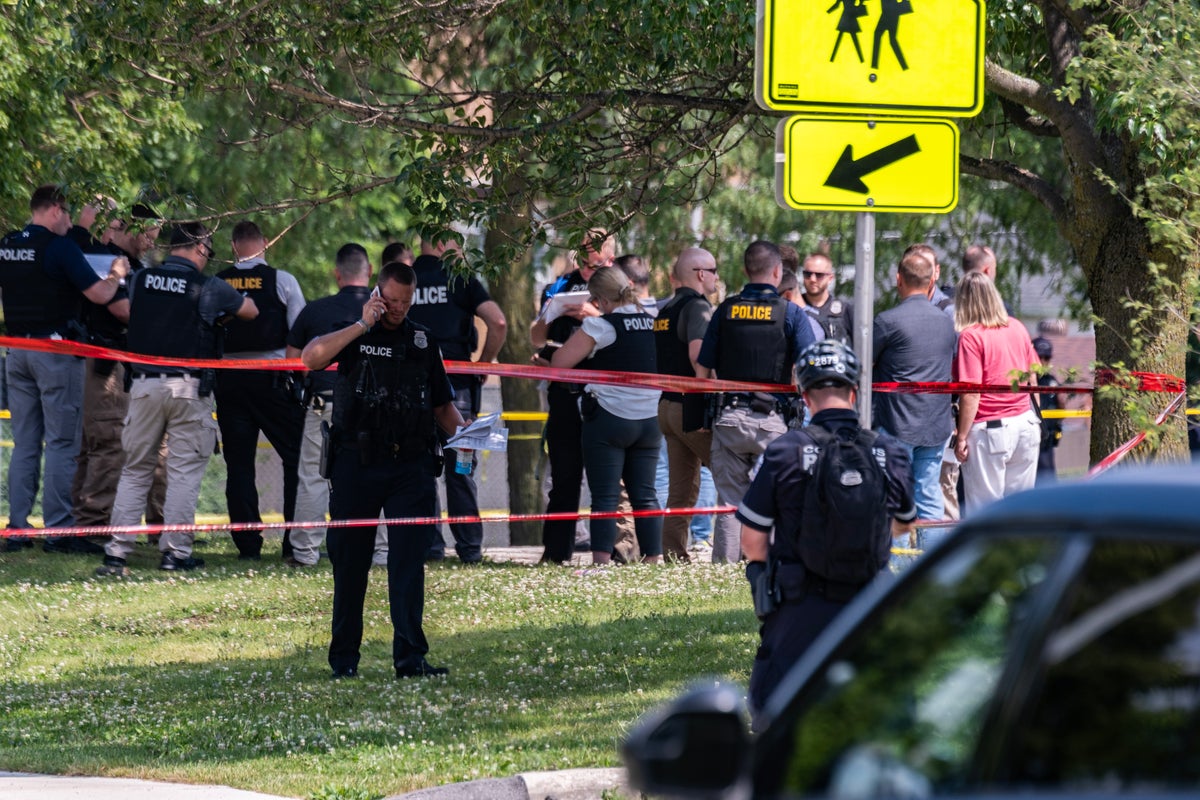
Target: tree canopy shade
(526, 118)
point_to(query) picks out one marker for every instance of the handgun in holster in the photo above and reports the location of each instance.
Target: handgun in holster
(765, 591)
(712, 408)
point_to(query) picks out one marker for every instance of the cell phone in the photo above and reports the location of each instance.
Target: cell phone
(375, 291)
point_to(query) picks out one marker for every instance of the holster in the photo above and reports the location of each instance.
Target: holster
(764, 591)
(325, 465)
(712, 408)
(208, 379)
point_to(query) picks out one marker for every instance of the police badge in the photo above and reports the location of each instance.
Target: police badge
(420, 340)
(835, 307)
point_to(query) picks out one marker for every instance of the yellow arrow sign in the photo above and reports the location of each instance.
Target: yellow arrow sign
(894, 57)
(861, 164)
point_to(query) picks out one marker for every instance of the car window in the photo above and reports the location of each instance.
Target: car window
(1119, 703)
(899, 708)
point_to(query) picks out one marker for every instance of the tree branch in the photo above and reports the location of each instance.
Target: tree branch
(1021, 178)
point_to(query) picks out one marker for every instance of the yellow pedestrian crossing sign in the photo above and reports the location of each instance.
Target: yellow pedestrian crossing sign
(893, 57)
(867, 164)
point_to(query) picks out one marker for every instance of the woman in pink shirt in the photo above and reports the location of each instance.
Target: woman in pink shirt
(998, 434)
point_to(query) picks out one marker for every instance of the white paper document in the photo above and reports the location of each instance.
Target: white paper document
(484, 433)
(557, 304)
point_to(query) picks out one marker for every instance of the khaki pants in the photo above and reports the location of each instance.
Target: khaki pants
(160, 406)
(739, 437)
(312, 492)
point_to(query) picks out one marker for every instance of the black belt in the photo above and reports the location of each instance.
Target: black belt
(759, 404)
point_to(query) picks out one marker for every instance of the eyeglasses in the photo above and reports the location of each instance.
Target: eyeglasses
(810, 274)
(206, 249)
(713, 270)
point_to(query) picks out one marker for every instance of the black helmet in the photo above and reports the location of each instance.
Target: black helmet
(827, 363)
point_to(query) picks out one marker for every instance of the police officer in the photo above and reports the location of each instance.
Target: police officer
(175, 311)
(835, 315)
(1047, 470)
(105, 401)
(391, 396)
(352, 273)
(447, 305)
(564, 426)
(804, 602)
(755, 335)
(44, 279)
(250, 401)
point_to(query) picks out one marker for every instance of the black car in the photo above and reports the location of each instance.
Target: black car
(1049, 648)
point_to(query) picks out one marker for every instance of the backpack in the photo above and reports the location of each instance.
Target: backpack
(844, 533)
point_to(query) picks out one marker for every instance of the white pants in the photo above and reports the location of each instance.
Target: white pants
(1001, 459)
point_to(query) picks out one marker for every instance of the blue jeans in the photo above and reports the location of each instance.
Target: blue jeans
(45, 394)
(927, 489)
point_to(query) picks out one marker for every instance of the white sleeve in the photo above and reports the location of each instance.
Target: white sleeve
(288, 289)
(601, 330)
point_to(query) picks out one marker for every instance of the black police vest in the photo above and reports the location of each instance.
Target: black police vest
(633, 350)
(267, 331)
(34, 303)
(753, 345)
(436, 306)
(164, 316)
(832, 318)
(382, 399)
(671, 351)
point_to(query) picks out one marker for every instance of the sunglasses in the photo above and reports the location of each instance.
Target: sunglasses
(206, 249)
(810, 274)
(713, 270)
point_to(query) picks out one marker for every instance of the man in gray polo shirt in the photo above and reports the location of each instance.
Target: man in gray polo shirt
(915, 342)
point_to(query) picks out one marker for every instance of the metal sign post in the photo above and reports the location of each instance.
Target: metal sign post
(864, 304)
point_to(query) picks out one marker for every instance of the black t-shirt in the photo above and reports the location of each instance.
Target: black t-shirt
(324, 316)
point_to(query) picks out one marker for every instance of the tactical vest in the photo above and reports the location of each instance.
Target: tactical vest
(633, 350)
(436, 306)
(833, 321)
(381, 402)
(267, 331)
(164, 315)
(34, 303)
(671, 351)
(753, 344)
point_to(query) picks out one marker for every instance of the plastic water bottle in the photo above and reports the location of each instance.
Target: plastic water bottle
(462, 462)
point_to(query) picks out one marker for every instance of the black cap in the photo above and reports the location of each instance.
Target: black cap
(1042, 346)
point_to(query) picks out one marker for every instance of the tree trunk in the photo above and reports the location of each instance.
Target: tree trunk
(514, 291)
(1142, 325)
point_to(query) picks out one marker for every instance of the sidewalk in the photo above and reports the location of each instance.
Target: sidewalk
(571, 784)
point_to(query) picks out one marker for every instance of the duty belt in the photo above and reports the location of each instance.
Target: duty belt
(759, 403)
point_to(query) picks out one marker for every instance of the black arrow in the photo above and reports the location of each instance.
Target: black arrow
(848, 174)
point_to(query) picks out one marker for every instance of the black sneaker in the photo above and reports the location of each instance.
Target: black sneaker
(17, 545)
(249, 556)
(72, 544)
(175, 563)
(345, 672)
(420, 669)
(113, 567)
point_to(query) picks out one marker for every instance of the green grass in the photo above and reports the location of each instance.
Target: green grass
(220, 676)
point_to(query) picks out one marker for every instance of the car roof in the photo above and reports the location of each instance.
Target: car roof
(1157, 497)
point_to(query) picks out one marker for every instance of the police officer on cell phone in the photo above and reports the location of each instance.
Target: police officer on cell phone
(391, 397)
(806, 561)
